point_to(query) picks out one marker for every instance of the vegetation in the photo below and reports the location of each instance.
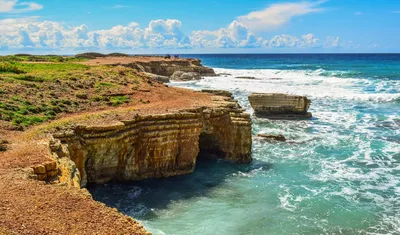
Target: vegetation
(35, 89)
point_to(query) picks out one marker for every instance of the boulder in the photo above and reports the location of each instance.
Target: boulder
(157, 78)
(272, 137)
(185, 76)
(280, 106)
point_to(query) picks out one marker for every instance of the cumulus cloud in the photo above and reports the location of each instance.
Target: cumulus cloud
(277, 15)
(235, 35)
(14, 6)
(31, 33)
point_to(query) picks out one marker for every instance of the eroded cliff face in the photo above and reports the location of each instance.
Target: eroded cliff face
(169, 67)
(154, 146)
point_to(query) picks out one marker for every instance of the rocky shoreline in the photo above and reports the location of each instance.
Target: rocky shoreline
(159, 138)
(149, 140)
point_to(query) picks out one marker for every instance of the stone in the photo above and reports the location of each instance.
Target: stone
(42, 177)
(280, 106)
(50, 166)
(39, 169)
(52, 173)
(157, 78)
(185, 76)
(272, 137)
(218, 92)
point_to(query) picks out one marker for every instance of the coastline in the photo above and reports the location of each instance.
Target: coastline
(42, 162)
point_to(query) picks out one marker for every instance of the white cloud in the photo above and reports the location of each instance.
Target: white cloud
(14, 6)
(235, 35)
(278, 15)
(332, 42)
(31, 33)
(358, 13)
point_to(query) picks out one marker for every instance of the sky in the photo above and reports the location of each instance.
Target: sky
(207, 26)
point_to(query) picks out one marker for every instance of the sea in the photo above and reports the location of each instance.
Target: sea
(338, 173)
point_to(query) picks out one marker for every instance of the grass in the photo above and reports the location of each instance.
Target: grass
(32, 93)
(118, 100)
(7, 67)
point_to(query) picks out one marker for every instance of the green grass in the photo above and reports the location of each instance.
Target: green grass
(102, 85)
(118, 100)
(7, 67)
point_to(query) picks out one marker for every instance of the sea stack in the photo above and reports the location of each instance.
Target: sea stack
(280, 106)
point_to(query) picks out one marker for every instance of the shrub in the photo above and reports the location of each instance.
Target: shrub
(6, 67)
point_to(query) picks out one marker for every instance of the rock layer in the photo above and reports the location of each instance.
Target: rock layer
(169, 67)
(278, 106)
(155, 146)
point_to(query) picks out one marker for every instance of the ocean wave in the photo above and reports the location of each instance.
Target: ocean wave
(302, 82)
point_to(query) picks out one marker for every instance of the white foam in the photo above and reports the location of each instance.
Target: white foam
(299, 82)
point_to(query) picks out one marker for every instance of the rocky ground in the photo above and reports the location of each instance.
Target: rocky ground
(56, 91)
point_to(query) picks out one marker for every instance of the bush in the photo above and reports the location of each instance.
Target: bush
(6, 67)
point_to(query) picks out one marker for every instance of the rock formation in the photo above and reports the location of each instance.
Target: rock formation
(280, 106)
(169, 67)
(185, 76)
(154, 146)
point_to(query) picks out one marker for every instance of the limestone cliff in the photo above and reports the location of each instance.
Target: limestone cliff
(155, 146)
(169, 67)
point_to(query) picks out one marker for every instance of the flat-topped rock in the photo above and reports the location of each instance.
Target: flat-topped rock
(280, 106)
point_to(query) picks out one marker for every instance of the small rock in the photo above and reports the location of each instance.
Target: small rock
(245, 77)
(272, 137)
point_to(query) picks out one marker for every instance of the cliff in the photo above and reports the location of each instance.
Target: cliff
(156, 65)
(155, 146)
(73, 124)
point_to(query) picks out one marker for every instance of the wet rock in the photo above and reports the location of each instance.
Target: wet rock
(280, 106)
(246, 77)
(272, 137)
(224, 74)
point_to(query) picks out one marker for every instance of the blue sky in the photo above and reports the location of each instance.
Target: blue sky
(161, 26)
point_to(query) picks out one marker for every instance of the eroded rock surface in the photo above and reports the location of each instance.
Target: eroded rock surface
(185, 76)
(155, 146)
(280, 106)
(168, 68)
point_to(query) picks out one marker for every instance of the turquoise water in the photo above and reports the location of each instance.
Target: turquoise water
(339, 173)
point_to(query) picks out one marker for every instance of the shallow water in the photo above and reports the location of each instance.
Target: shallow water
(339, 173)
